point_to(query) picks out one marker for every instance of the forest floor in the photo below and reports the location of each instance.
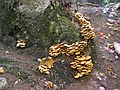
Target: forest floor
(106, 72)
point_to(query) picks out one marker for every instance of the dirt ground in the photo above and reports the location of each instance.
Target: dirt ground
(106, 72)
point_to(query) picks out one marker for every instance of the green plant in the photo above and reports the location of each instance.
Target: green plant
(108, 1)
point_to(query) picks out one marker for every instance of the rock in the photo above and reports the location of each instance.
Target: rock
(105, 10)
(111, 21)
(116, 57)
(112, 14)
(3, 83)
(33, 6)
(101, 88)
(2, 71)
(117, 6)
(117, 47)
(116, 89)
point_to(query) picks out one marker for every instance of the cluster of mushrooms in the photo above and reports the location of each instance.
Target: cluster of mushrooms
(66, 49)
(81, 63)
(45, 64)
(86, 30)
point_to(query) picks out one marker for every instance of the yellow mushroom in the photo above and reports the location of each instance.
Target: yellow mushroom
(20, 43)
(45, 65)
(78, 75)
(78, 15)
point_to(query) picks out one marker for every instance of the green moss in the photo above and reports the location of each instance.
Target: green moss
(8, 15)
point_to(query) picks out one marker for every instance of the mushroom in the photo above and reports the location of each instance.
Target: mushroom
(78, 75)
(43, 69)
(20, 43)
(72, 49)
(83, 21)
(86, 29)
(76, 48)
(54, 50)
(45, 65)
(78, 15)
(87, 32)
(83, 65)
(57, 49)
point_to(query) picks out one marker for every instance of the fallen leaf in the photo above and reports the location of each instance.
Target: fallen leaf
(49, 84)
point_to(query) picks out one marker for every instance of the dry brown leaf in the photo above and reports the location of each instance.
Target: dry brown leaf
(49, 84)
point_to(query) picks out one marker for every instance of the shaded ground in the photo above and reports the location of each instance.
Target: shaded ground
(100, 77)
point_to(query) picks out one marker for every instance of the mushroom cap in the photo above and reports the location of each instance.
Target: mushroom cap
(78, 75)
(80, 58)
(88, 57)
(20, 43)
(78, 15)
